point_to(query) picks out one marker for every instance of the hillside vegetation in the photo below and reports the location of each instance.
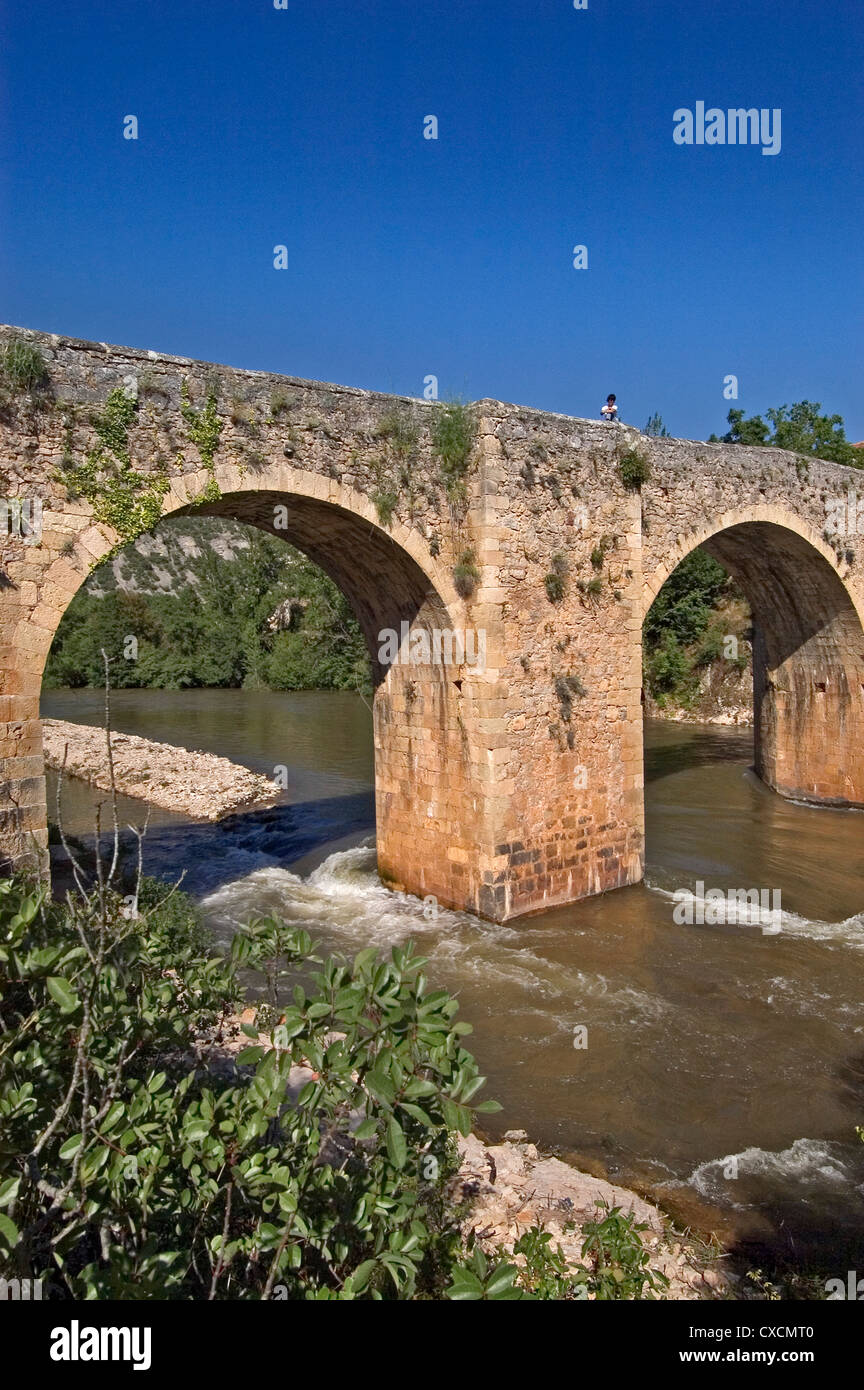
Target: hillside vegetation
(696, 642)
(209, 602)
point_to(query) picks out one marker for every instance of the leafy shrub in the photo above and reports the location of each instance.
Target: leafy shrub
(617, 1266)
(546, 1274)
(710, 648)
(620, 1261)
(669, 670)
(634, 469)
(23, 365)
(683, 606)
(132, 1166)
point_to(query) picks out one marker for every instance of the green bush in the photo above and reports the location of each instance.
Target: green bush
(634, 469)
(683, 632)
(669, 670)
(617, 1267)
(134, 1166)
(619, 1259)
(683, 606)
(465, 574)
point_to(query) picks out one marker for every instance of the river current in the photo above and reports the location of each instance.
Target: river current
(724, 1066)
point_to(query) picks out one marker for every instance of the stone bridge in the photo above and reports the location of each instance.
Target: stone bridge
(504, 785)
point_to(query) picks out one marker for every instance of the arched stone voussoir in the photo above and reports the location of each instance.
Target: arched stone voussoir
(808, 648)
(295, 484)
(770, 514)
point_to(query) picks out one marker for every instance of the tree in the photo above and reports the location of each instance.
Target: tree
(800, 428)
(655, 427)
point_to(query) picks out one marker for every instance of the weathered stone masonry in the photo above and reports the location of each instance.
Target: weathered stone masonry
(502, 790)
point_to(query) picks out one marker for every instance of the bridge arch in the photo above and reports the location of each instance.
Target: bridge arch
(808, 649)
(422, 711)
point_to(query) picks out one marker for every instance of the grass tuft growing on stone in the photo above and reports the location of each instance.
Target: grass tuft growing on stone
(555, 582)
(453, 436)
(23, 366)
(465, 574)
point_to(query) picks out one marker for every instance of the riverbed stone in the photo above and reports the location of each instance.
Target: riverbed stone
(198, 784)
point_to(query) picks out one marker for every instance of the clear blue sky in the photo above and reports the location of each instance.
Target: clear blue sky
(304, 127)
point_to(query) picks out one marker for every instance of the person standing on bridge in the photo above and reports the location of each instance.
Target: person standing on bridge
(610, 410)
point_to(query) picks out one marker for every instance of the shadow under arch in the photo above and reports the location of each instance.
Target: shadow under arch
(808, 655)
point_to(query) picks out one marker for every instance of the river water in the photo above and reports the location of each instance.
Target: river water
(724, 1066)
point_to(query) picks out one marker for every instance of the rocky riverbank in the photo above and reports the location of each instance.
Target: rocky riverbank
(724, 696)
(735, 717)
(178, 779)
(511, 1187)
(503, 1190)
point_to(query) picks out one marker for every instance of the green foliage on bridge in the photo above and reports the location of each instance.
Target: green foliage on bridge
(121, 497)
(22, 367)
(453, 436)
